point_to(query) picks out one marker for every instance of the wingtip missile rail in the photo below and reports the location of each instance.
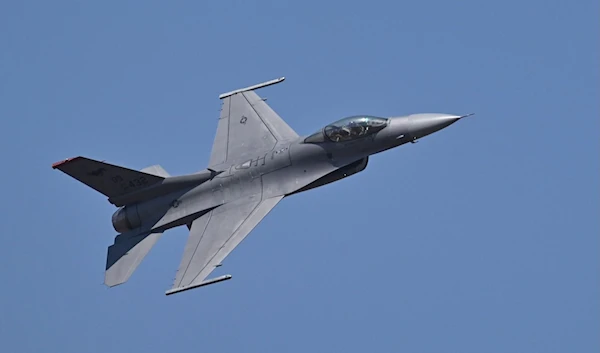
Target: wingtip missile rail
(201, 284)
(251, 88)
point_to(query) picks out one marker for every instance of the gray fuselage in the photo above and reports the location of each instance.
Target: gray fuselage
(291, 167)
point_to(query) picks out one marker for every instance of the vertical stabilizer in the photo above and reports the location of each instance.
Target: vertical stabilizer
(156, 170)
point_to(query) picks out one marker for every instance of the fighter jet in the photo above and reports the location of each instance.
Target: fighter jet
(256, 161)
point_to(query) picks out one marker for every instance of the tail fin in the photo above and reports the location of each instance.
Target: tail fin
(126, 254)
(108, 179)
(156, 170)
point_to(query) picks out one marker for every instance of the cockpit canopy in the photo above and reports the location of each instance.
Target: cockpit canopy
(347, 129)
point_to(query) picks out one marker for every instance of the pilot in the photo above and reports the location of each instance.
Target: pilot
(335, 134)
(356, 129)
(340, 133)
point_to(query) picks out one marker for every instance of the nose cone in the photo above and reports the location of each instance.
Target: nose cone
(424, 124)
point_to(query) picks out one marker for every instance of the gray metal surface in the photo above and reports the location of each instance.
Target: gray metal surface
(214, 235)
(110, 180)
(156, 170)
(247, 127)
(256, 161)
(125, 255)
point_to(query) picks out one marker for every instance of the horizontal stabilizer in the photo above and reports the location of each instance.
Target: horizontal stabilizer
(125, 255)
(108, 179)
(166, 186)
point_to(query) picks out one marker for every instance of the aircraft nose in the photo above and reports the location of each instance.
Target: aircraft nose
(424, 124)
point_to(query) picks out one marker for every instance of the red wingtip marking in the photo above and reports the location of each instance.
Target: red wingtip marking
(57, 164)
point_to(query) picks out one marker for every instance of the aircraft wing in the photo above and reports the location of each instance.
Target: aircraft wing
(247, 126)
(214, 235)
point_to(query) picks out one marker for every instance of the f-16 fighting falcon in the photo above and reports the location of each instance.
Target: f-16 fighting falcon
(256, 161)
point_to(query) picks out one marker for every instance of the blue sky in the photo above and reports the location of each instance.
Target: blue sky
(483, 237)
